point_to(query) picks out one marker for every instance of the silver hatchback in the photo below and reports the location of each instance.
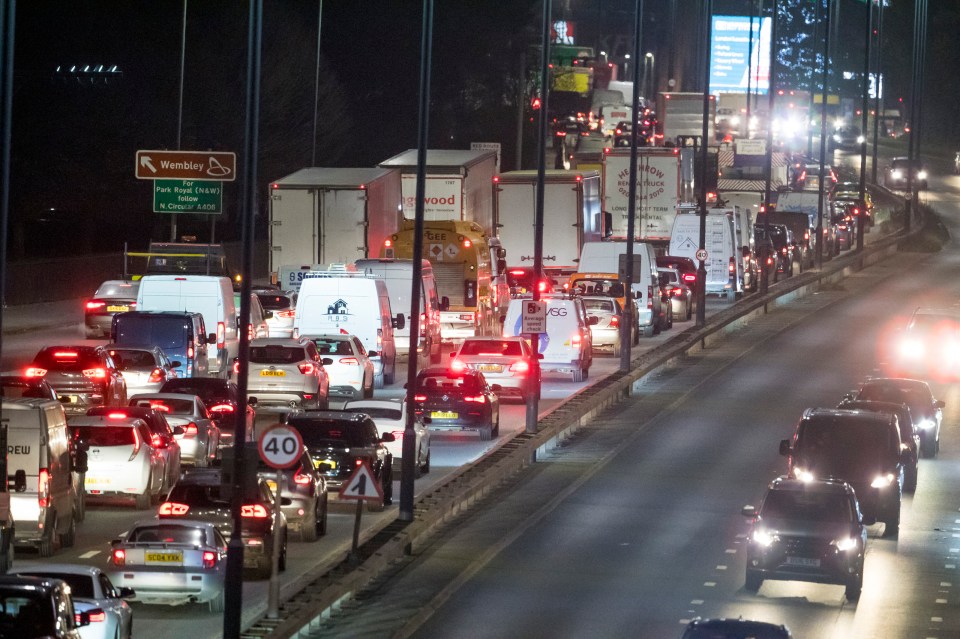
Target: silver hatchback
(200, 439)
(144, 368)
(287, 373)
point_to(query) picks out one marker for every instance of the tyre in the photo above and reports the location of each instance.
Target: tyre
(648, 331)
(496, 429)
(217, 603)
(617, 350)
(309, 530)
(425, 468)
(69, 538)
(927, 448)
(378, 381)
(486, 433)
(45, 547)
(388, 378)
(753, 581)
(142, 502)
(368, 391)
(854, 588)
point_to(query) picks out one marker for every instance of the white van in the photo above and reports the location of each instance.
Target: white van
(342, 302)
(38, 444)
(604, 257)
(567, 346)
(209, 295)
(398, 276)
(724, 262)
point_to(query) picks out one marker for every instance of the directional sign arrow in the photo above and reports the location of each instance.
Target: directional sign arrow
(145, 161)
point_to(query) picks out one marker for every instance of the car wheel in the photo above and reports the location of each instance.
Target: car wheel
(910, 478)
(496, 427)
(368, 391)
(425, 468)
(648, 331)
(46, 546)
(854, 588)
(616, 350)
(927, 448)
(576, 377)
(753, 581)
(308, 527)
(322, 524)
(217, 603)
(69, 538)
(486, 433)
(388, 379)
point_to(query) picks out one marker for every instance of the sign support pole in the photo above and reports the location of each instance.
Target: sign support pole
(273, 597)
(354, 556)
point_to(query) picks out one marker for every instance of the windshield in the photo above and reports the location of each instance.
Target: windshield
(271, 302)
(332, 346)
(603, 306)
(128, 360)
(467, 384)
(378, 413)
(104, 436)
(169, 534)
(491, 347)
(166, 332)
(916, 397)
(209, 391)
(806, 506)
(276, 354)
(852, 450)
(329, 432)
(597, 286)
(124, 290)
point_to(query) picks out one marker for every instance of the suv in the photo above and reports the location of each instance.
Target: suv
(287, 373)
(909, 434)
(926, 410)
(897, 174)
(39, 607)
(82, 376)
(807, 531)
(858, 447)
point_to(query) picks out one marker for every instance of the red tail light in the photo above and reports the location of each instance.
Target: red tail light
(158, 375)
(190, 349)
(43, 488)
(249, 331)
(615, 321)
(92, 306)
(136, 443)
(97, 615)
(95, 373)
(221, 334)
(255, 511)
(649, 297)
(302, 480)
(209, 559)
(358, 462)
(236, 367)
(157, 442)
(190, 430)
(222, 408)
(349, 361)
(689, 277)
(173, 509)
(117, 415)
(678, 292)
(419, 398)
(33, 371)
(769, 261)
(307, 368)
(163, 408)
(519, 367)
(732, 267)
(575, 340)
(477, 399)
(285, 314)
(397, 435)
(457, 366)
(542, 286)
(119, 557)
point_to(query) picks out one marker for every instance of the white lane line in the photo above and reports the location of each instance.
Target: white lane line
(89, 554)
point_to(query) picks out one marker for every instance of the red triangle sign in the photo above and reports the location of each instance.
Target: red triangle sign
(362, 485)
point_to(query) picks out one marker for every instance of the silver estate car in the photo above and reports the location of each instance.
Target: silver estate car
(144, 368)
(287, 373)
(200, 440)
(171, 562)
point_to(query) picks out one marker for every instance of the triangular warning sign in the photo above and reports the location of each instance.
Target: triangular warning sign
(362, 485)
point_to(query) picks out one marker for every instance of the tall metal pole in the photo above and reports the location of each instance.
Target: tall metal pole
(704, 143)
(423, 127)
(918, 125)
(8, 12)
(316, 88)
(521, 105)
(878, 106)
(533, 399)
(629, 323)
(813, 40)
(183, 58)
(233, 590)
(824, 92)
(745, 131)
(865, 107)
(771, 91)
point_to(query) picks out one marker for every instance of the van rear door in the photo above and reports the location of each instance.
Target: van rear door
(26, 450)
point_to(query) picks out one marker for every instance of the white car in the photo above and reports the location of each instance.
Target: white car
(352, 371)
(200, 440)
(390, 416)
(281, 306)
(144, 368)
(287, 373)
(110, 615)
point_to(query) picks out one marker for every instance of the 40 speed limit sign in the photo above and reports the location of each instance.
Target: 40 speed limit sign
(280, 446)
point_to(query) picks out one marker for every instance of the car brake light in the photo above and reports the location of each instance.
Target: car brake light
(221, 334)
(733, 266)
(236, 367)
(209, 559)
(116, 415)
(249, 331)
(307, 368)
(689, 277)
(136, 444)
(614, 321)
(457, 366)
(95, 373)
(92, 306)
(64, 354)
(222, 408)
(119, 557)
(96, 615)
(34, 371)
(677, 292)
(519, 367)
(542, 286)
(349, 361)
(419, 398)
(285, 314)
(190, 430)
(43, 488)
(575, 340)
(255, 511)
(190, 349)
(478, 399)
(358, 462)
(302, 479)
(157, 442)
(173, 509)
(158, 375)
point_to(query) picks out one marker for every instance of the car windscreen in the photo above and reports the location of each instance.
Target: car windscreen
(169, 534)
(332, 346)
(80, 585)
(806, 506)
(130, 360)
(276, 354)
(209, 391)
(329, 432)
(118, 290)
(166, 405)
(166, 332)
(491, 347)
(597, 286)
(377, 413)
(916, 397)
(851, 450)
(602, 306)
(65, 360)
(271, 302)
(466, 384)
(104, 436)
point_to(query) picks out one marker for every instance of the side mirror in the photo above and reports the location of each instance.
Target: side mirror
(496, 388)
(251, 401)
(387, 437)
(593, 320)
(211, 338)
(327, 361)
(399, 322)
(126, 593)
(178, 430)
(785, 447)
(748, 511)
(20, 481)
(267, 315)
(444, 303)
(373, 353)
(175, 364)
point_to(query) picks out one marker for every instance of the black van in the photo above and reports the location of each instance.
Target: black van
(182, 336)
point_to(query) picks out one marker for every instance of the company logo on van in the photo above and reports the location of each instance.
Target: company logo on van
(18, 450)
(338, 308)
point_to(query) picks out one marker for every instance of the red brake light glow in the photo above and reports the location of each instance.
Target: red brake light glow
(33, 371)
(255, 511)
(349, 361)
(119, 557)
(419, 398)
(520, 367)
(222, 408)
(457, 366)
(190, 430)
(158, 375)
(478, 399)
(43, 488)
(307, 368)
(173, 509)
(92, 305)
(116, 415)
(95, 373)
(221, 334)
(209, 559)
(65, 354)
(302, 479)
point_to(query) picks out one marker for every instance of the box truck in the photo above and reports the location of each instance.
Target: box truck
(681, 114)
(660, 189)
(324, 215)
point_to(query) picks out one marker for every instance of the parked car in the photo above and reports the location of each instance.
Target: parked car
(287, 373)
(339, 442)
(390, 416)
(111, 617)
(507, 361)
(350, 371)
(197, 497)
(110, 298)
(458, 400)
(200, 437)
(162, 436)
(282, 306)
(144, 368)
(171, 562)
(221, 398)
(927, 411)
(39, 607)
(82, 376)
(900, 172)
(807, 531)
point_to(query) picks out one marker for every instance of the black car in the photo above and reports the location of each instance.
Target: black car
(926, 410)
(39, 607)
(734, 629)
(458, 400)
(807, 531)
(523, 279)
(780, 243)
(112, 297)
(303, 497)
(222, 399)
(340, 441)
(162, 435)
(16, 386)
(197, 496)
(909, 433)
(81, 376)
(858, 447)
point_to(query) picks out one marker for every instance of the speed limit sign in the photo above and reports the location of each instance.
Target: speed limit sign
(702, 255)
(280, 446)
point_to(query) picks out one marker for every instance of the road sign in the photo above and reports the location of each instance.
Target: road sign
(702, 255)
(534, 317)
(188, 196)
(280, 446)
(362, 485)
(186, 165)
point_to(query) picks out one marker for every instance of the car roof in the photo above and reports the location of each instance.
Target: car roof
(840, 415)
(29, 583)
(190, 523)
(835, 486)
(134, 347)
(141, 412)
(393, 402)
(898, 381)
(68, 569)
(103, 420)
(187, 396)
(327, 415)
(278, 341)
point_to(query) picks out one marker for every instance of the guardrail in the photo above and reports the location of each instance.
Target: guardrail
(309, 599)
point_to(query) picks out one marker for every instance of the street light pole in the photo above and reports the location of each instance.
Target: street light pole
(877, 102)
(823, 130)
(865, 105)
(183, 57)
(702, 268)
(771, 91)
(316, 88)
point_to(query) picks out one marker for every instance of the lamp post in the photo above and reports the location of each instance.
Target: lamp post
(626, 64)
(653, 78)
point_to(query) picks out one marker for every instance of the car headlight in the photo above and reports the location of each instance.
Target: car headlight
(836, 137)
(803, 474)
(861, 139)
(922, 175)
(911, 348)
(735, 121)
(882, 481)
(896, 174)
(926, 424)
(845, 544)
(764, 537)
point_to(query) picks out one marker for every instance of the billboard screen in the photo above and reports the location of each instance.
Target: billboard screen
(729, 48)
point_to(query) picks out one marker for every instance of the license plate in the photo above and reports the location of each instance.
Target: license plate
(444, 414)
(491, 368)
(163, 557)
(97, 480)
(266, 373)
(69, 399)
(803, 561)
(329, 463)
(118, 309)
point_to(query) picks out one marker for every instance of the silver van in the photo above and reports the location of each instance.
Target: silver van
(38, 444)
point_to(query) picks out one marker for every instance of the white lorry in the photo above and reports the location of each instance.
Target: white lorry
(457, 185)
(659, 192)
(329, 215)
(681, 114)
(571, 216)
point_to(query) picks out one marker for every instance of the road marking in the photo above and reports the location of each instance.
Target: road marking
(89, 554)
(941, 601)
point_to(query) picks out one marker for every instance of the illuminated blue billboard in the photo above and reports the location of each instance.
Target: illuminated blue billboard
(729, 49)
